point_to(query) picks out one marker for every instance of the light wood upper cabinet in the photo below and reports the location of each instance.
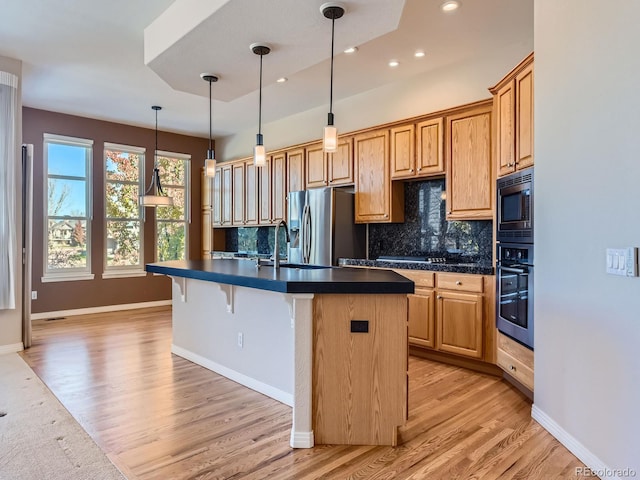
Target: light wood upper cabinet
(418, 150)
(251, 184)
(470, 179)
(264, 210)
(316, 165)
(340, 163)
(206, 193)
(237, 209)
(226, 190)
(430, 147)
(278, 187)
(403, 152)
(207, 233)
(377, 199)
(295, 170)
(513, 106)
(216, 198)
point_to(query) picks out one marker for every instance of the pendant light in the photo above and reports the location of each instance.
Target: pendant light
(330, 135)
(210, 161)
(259, 154)
(155, 196)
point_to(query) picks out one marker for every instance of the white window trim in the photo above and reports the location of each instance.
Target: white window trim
(124, 271)
(187, 199)
(69, 274)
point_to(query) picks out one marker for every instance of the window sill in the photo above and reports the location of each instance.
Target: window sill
(124, 274)
(67, 277)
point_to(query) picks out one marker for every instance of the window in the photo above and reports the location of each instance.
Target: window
(171, 222)
(123, 242)
(68, 208)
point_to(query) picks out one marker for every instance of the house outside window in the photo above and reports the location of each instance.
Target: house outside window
(68, 209)
(123, 242)
(171, 222)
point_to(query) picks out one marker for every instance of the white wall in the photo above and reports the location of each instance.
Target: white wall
(456, 85)
(11, 320)
(587, 144)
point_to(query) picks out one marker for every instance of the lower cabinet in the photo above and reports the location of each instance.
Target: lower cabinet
(516, 360)
(449, 313)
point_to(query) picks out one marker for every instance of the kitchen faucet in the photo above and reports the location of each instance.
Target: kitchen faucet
(276, 253)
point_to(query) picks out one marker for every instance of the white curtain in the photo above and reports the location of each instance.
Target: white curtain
(8, 188)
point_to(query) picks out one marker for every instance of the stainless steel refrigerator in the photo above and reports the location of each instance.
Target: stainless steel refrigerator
(322, 228)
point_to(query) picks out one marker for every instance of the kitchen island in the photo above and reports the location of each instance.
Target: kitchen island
(329, 342)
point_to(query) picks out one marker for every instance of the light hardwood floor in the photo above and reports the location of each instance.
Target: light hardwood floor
(158, 416)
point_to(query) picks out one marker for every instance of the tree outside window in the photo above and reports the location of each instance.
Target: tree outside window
(171, 222)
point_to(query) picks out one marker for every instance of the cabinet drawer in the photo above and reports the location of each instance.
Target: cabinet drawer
(515, 350)
(421, 278)
(460, 282)
(515, 368)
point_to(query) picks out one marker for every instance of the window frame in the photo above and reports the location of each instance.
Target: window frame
(73, 273)
(187, 199)
(122, 271)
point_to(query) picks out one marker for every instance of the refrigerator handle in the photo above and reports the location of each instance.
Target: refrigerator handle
(306, 246)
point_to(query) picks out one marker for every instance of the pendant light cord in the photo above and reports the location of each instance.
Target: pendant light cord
(210, 114)
(333, 26)
(260, 100)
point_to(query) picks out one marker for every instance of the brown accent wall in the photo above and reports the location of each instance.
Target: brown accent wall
(98, 292)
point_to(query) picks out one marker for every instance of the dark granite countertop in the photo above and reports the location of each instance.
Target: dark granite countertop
(474, 268)
(286, 279)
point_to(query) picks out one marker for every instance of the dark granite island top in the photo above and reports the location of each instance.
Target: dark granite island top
(288, 278)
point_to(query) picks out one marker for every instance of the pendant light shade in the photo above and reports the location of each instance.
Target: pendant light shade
(210, 161)
(259, 153)
(155, 196)
(330, 134)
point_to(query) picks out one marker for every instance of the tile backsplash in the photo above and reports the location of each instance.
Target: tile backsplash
(426, 232)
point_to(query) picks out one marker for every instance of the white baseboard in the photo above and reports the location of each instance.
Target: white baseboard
(252, 383)
(11, 348)
(597, 466)
(102, 309)
(301, 439)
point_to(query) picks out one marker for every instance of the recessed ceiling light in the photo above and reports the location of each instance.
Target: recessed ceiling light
(450, 6)
(351, 50)
(419, 54)
(394, 63)
(282, 79)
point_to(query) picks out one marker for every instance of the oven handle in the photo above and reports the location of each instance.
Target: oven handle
(521, 271)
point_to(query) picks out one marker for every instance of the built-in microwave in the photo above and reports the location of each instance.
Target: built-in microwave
(515, 207)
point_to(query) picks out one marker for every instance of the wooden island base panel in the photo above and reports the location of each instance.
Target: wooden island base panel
(329, 342)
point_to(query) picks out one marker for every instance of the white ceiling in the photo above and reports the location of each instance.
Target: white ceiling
(87, 57)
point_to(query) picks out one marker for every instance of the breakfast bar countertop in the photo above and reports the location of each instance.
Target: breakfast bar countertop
(289, 278)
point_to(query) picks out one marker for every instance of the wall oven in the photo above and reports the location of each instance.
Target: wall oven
(515, 207)
(515, 291)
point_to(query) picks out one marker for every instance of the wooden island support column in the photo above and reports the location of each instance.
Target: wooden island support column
(329, 342)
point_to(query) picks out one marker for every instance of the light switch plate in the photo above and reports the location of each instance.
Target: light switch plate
(622, 261)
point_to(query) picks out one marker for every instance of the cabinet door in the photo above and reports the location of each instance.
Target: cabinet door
(505, 136)
(295, 170)
(207, 230)
(524, 120)
(377, 200)
(216, 199)
(421, 318)
(430, 147)
(237, 206)
(264, 209)
(470, 181)
(205, 191)
(459, 323)
(278, 182)
(251, 193)
(226, 195)
(340, 163)
(403, 152)
(316, 163)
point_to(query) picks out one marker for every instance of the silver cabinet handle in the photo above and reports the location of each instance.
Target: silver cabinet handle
(458, 282)
(439, 297)
(512, 368)
(411, 170)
